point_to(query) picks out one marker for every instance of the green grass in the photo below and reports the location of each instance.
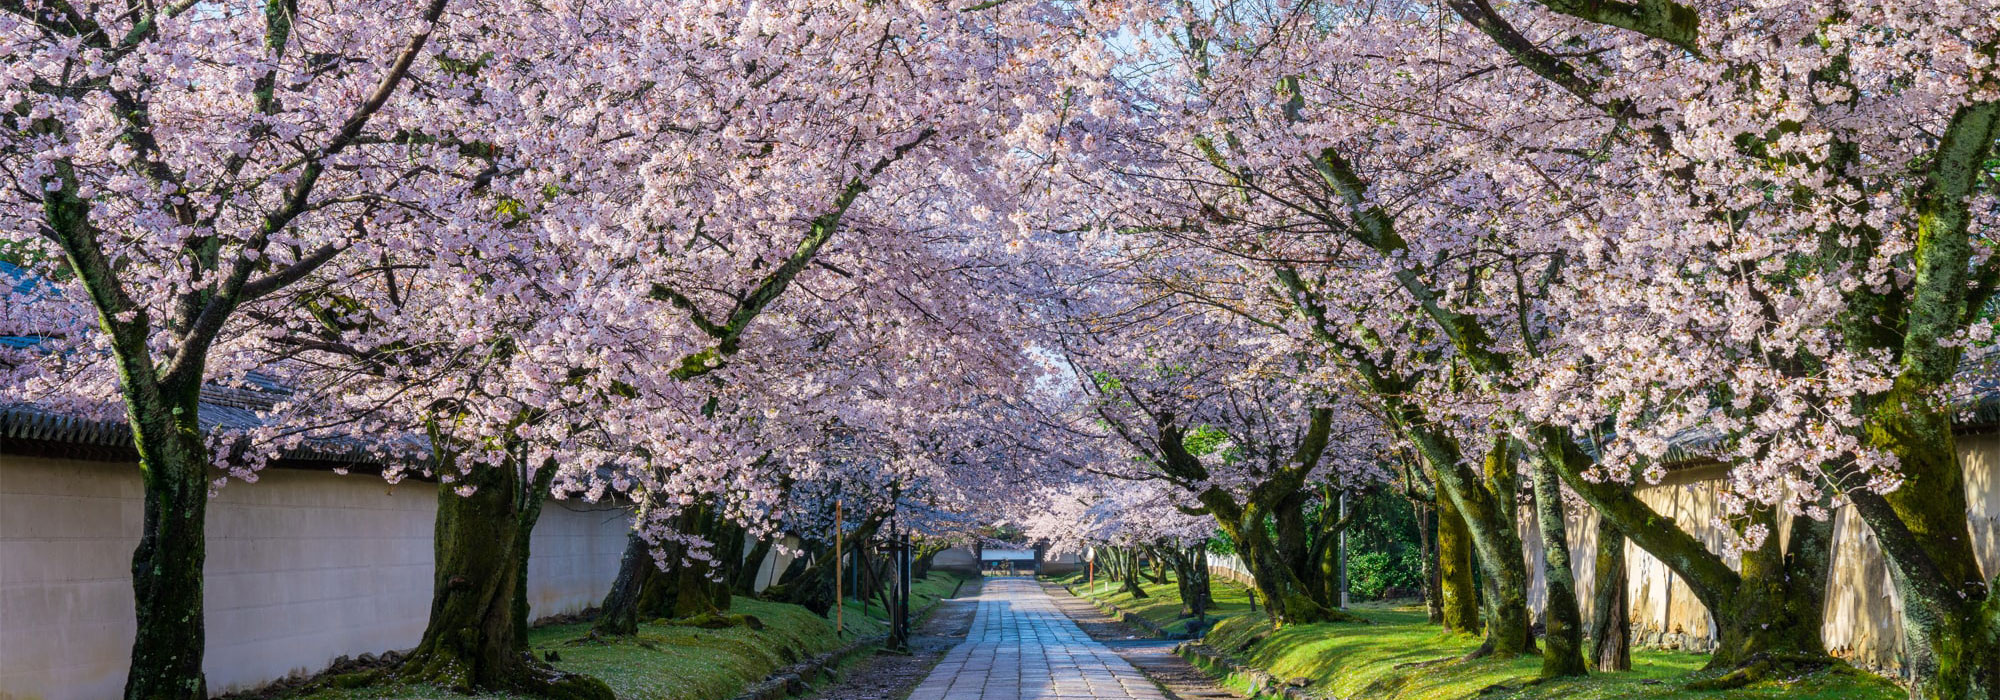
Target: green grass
(668, 662)
(859, 621)
(1403, 656)
(1162, 604)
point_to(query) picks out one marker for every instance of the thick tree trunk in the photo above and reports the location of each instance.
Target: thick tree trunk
(1289, 600)
(1771, 624)
(619, 614)
(1458, 593)
(1562, 637)
(1951, 616)
(1300, 547)
(477, 636)
(1190, 579)
(1757, 629)
(1489, 512)
(167, 565)
(695, 580)
(1200, 586)
(1611, 614)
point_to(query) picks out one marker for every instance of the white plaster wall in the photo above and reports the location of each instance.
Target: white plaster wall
(957, 558)
(303, 567)
(1863, 615)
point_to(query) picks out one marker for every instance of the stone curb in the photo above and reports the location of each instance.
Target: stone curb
(1262, 685)
(797, 678)
(1131, 618)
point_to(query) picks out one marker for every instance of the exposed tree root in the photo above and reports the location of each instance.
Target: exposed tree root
(528, 676)
(1765, 666)
(716, 621)
(1486, 649)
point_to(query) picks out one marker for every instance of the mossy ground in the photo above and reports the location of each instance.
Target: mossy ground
(1402, 656)
(672, 662)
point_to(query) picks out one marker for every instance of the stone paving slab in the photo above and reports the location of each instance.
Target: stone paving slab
(1022, 647)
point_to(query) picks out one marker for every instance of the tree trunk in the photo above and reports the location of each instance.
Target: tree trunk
(1951, 616)
(746, 575)
(1190, 579)
(810, 584)
(1488, 511)
(1427, 554)
(167, 565)
(477, 636)
(695, 579)
(1200, 586)
(920, 567)
(1562, 637)
(1287, 598)
(1128, 573)
(1611, 614)
(1298, 547)
(1759, 629)
(619, 614)
(1459, 593)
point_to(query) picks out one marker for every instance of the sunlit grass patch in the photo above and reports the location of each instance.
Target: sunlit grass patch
(1401, 656)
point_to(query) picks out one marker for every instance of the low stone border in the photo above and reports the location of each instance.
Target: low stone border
(1262, 685)
(797, 678)
(1131, 618)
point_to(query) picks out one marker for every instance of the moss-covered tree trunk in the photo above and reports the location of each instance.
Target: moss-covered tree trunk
(619, 613)
(1611, 611)
(695, 580)
(1771, 624)
(476, 639)
(1128, 572)
(1458, 593)
(1760, 627)
(1190, 566)
(1489, 512)
(1562, 636)
(1290, 600)
(1951, 615)
(167, 565)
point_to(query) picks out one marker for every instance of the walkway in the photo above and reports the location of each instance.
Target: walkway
(1022, 647)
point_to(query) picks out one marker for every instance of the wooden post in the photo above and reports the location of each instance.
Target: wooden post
(838, 606)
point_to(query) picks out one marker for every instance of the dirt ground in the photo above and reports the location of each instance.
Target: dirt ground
(891, 676)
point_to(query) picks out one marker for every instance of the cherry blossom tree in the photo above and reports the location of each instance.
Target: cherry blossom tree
(175, 165)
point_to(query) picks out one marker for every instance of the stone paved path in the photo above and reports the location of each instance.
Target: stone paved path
(1022, 647)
